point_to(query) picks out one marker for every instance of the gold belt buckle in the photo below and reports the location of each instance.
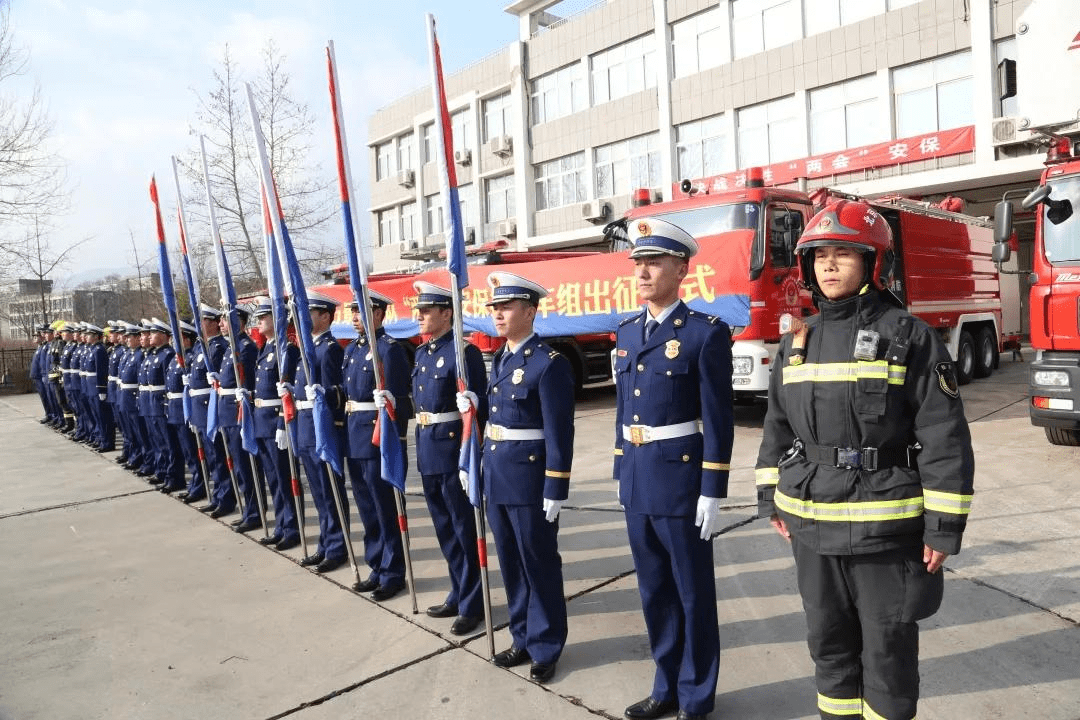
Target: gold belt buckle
(637, 434)
(423, 419)
(495, 432)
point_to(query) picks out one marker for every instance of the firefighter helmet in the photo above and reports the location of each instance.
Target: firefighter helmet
(854, 224)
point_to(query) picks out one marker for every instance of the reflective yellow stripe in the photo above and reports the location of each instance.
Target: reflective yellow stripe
(947, 502)
(870, 714)
(715, 466)
(840, 706)
(870, 511)
(845, 372)
(767, 476)
(557, 474)
(618, 451)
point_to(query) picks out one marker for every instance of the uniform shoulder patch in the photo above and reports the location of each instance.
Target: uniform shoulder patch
(946, 376)
(553, 354)
(630, 319)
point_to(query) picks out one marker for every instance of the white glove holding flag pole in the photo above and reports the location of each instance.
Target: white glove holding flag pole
(467, 401)
(101, 397)
(213, 379)
(310, 390)
(284, 388)
(243, 394)
(281, 439)
(464, 478)
(552, 508)
(708, 516)
(384, 398)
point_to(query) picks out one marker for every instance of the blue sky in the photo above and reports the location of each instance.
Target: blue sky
(119, 77)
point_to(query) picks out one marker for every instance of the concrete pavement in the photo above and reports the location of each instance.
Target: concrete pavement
(118, 602)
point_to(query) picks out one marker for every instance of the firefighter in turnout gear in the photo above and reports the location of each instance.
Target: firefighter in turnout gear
(865, 465)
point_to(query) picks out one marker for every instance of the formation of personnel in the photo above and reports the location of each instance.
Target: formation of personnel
(865, 464)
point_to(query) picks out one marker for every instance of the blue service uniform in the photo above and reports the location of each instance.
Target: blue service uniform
(176, 425)
(116, 354)
(37, 378)
(383, 550)
(228, 421)
(140, 454)
(166, 465)
(97, 386)
(198, 391)
(325, 371)
(438, 447)
(681, 374)
(268, 420)
(530, 389)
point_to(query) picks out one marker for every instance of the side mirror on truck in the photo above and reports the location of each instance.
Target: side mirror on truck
(1003, 229)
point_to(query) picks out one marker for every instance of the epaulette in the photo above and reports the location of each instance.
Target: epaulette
(632, 318)
(702, 317)
(553, 354)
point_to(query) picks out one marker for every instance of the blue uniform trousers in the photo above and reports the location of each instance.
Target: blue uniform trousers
(216, 460)
(190, 450)
(166, 452)
(678, 597)
(275, 466)
(528, 549)
(383, 551)
(455, 527)
(331, 537)
(149, 452)
(245, 480)
(106, 425)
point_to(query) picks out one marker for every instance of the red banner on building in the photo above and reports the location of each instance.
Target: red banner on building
(893, 152)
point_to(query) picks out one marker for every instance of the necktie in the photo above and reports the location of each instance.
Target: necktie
(650, 328)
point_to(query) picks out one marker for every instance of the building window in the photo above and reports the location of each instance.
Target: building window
(697, 42)
(386, 227)
(427, 134)
(627, 164)
(406, 152)
(768, 132)
(467, 207)
(461, 127)
(499, 192)
(559, 93)
(845, 115)
(409, 227)
(934, 95)
(701, 148)
(758, 25)
(624, 69)
(498, 117)
(433, 219)
(560, 182)
(822, 15)
(384, 160)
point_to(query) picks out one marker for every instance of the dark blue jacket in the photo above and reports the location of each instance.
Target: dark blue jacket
(359, 384)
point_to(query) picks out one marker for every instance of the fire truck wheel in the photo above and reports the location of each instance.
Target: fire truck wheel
(965, 358)
(1062, 436)
(986, 353)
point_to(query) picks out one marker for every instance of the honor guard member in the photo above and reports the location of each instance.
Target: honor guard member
(127, 398)
(229, 395)
(673, 435)
(438, 447)
(57, 377)
(270, 429)
(95, 389)
(383, 550)
(176, 425)
(528, 450)
(35, 369)
(865, 465)
(151, 403)
(330, 553)
(204, 367)
(170, 459)
(70, 365)
(137, 410)
(117, 350)
(67, 334)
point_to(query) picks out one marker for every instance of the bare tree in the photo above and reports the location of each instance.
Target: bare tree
(222, 118)
(34, 259)
(32, 177)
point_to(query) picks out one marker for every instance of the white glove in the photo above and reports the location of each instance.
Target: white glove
(243, 394)
(212, 378)
(185, 379)
(467, 401)
(101, 397)
(552, 508)
(284, 388)
(281, 439)
(464, 478)
(708, 516)
(384, 398)
(310, 390)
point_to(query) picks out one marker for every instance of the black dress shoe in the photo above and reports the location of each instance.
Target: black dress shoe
(464, 624)
(368, 585)
(287, 543)
(189, 498)
(683, 715)
(313, 559)
(385, 592)
(650, 708)
(542, 672)
(156, 481)
(247, 526)
(512, 657)
(442, 611)
(220, 513)
(208, 509)
(236, 522)
(329, 564)
(169, 489)
(272, 540)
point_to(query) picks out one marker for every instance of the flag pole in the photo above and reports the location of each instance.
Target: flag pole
(455, 259)
(358, 280)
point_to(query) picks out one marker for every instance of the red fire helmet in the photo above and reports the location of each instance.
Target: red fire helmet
(853, 224)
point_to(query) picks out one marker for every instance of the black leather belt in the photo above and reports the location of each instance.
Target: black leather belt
(859, 458)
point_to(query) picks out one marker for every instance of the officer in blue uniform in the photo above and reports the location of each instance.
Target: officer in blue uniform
(152, 401)
(383, 550)
(126, 396)
(673, 436)
(438, 446)
(325, 370)
(270, 429)
(117, 351)
(204, 367)
(78, 354)
(95, 388)
(230, 392)
(176, 423)
(169, 468)
(528, 450)
(67, 334)
(36, 374)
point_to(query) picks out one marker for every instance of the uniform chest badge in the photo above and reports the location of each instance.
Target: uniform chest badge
(270, 357)
(440, 362)
(518, 376)
(671, 349)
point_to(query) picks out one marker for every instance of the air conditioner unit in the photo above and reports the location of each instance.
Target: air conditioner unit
(501, 145)
(1004, 131)
(595, 210)
(406, 178)
(463, 157)
(470, 234)
(506, 228)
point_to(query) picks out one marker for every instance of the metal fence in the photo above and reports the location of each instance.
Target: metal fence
(15, 370)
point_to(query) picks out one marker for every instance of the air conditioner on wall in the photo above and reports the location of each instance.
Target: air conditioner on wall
(506, 228)
(463, 157)
(595, 210)
(1005, 131)
(501, 145)
(406, 178)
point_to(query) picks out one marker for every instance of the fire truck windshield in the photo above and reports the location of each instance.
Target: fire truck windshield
(1062, 242)
(715, 219)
